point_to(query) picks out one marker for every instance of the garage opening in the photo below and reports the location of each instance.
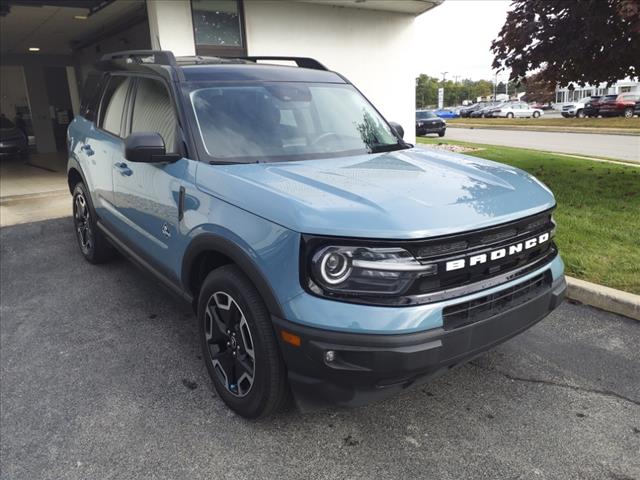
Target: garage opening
(47, 49)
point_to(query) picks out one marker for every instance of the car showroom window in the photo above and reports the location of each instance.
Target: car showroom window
(218, 27)
(113, 104)
(153, 112)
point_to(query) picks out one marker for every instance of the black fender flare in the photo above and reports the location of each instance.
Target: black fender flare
(215, 243)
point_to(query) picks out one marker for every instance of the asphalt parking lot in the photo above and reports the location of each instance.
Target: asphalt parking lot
(101, 378)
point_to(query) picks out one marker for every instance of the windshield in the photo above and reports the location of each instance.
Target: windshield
(288, 121)
(424, 115)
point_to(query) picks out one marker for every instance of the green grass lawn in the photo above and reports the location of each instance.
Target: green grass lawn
(614, 122)
(598, 212)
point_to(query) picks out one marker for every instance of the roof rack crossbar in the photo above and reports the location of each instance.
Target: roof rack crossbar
(302, 62)
(160, 57)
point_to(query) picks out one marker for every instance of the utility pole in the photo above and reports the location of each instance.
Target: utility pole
(441, 92)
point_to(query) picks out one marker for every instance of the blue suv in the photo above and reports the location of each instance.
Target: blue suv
(327, 260)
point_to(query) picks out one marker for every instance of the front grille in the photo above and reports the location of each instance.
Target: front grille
(442, 251)
(466, 313)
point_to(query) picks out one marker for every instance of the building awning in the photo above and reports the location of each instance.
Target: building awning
(413, 7)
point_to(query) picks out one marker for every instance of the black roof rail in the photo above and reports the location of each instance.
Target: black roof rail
(160, 57)
(302, 62)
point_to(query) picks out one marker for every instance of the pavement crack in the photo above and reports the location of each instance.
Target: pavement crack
(607, 393)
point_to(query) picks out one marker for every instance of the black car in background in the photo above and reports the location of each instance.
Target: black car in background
(636, 109)
(486, 108)
(467, 111)
(592, 107)
(429, 122)
(13, 140)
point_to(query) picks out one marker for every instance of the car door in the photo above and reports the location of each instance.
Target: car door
(147, 195)
(101, 143)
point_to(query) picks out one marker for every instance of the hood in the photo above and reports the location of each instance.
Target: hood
(408, 194)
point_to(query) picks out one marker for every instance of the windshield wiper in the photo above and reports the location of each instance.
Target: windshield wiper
(387, 147)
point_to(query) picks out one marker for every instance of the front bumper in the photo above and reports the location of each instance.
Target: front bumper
(435, 128)
(370, 367)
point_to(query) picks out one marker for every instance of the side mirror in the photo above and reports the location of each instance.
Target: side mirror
(147, 147)
(398, 129)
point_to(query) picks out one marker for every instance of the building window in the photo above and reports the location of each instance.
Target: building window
(218, 27)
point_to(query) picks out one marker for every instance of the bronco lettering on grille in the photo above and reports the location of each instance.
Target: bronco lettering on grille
(498, 253)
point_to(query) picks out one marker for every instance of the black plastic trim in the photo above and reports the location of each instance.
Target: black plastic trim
(205, 242)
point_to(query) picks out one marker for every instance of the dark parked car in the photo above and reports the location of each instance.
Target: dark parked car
(482, 112)
(429, 122)
(467, 111)
(13, 141)
(592, 107)
(620, 105)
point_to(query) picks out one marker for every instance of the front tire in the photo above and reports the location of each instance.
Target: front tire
(537, 114)
(94, 246)
(239, 347)
(509, 115)
(628, 112)
(580, 114)
(441, 133)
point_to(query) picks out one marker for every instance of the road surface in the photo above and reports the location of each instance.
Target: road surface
(101, 378)
(619, 147)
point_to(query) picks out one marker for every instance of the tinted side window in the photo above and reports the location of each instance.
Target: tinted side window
(112, 107)
(91, 95)
(153, 112)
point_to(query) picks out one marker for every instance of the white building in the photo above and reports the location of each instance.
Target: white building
(565, 94)
(47, 46)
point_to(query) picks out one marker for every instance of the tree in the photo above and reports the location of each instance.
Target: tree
(581, 41)
(538, 89)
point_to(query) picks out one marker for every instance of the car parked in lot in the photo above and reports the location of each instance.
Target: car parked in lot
(592, 106)
(516, 109)
(482, 112)
(325, 257)
(636, 108)
(467, 111)
(446, 113)
(428, 122)
(577, 108)
(13, 141)
(621, 105)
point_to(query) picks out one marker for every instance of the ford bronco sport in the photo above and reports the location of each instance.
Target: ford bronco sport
(327, 260)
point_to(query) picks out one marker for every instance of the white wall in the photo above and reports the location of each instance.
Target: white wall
(171, 26)
(13, 91)
(374, 50)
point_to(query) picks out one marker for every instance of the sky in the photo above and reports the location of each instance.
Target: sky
(457, 38)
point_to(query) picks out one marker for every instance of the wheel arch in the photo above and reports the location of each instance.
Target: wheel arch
(208, 251)
(74, 174)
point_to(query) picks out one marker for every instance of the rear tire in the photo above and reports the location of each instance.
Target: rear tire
(94, 246)
(239, 346)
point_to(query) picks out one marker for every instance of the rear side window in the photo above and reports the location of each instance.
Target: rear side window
(153, 112)
(91, 95)
(112, 106)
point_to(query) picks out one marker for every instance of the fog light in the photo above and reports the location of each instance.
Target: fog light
(329, 356)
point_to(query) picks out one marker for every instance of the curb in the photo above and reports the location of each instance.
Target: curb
(604, 298)
(532, 128)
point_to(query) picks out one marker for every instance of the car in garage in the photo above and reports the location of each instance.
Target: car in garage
(13, 141)
(621, 105)
(428, 122)
(516, 110)
(326, 259)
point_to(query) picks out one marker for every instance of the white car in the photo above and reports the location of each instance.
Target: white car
(516, 109)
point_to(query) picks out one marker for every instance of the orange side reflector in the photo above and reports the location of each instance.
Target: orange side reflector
(290, 338)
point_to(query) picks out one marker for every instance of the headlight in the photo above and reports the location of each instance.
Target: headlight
(358, 270)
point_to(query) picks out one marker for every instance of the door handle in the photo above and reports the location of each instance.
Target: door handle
(124, 169)
(87, 149)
